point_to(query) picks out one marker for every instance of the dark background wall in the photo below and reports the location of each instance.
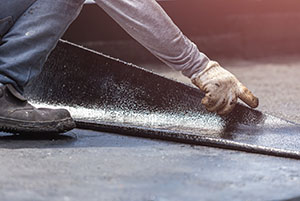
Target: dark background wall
(220, 28)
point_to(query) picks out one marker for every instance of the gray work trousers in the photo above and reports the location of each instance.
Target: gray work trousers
(30, 29)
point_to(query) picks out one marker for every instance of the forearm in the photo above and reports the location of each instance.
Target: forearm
(148, 23)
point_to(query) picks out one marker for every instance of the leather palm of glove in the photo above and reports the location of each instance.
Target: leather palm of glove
(222, 89)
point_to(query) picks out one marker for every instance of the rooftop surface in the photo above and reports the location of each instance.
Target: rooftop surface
(89, 165)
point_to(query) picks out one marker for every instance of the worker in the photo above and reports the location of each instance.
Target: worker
(30, 29)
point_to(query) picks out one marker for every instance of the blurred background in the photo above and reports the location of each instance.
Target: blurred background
(221, 28)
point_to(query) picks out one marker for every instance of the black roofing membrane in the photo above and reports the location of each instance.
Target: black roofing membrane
(106, 94)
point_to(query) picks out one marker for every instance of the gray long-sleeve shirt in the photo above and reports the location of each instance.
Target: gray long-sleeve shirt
(149, 24)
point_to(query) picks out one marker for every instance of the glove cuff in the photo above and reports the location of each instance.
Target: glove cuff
(209, 65)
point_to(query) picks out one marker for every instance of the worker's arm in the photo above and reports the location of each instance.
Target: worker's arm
(148, 23)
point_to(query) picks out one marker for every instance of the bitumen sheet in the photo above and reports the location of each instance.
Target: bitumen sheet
(106, 94)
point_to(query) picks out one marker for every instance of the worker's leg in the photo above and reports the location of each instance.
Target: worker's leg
(148, 23)
(29, 35)
(29, 31)
(10, 11)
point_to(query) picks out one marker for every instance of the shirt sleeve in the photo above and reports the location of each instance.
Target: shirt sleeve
(149, 24)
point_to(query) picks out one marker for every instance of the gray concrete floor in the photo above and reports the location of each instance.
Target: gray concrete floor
(86, 165)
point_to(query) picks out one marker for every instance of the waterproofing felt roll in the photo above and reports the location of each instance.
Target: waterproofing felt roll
(106, 94)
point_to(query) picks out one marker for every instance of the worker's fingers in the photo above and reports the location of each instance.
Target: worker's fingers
(247, 96)
(232, 101)
(214, 99)
(208, 101)
(220, 103)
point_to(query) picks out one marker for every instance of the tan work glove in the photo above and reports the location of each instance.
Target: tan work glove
(222, 89)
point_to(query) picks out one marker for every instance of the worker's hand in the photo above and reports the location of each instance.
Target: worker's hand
(222, 89)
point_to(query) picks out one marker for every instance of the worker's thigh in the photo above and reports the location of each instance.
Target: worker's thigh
(10, 11)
